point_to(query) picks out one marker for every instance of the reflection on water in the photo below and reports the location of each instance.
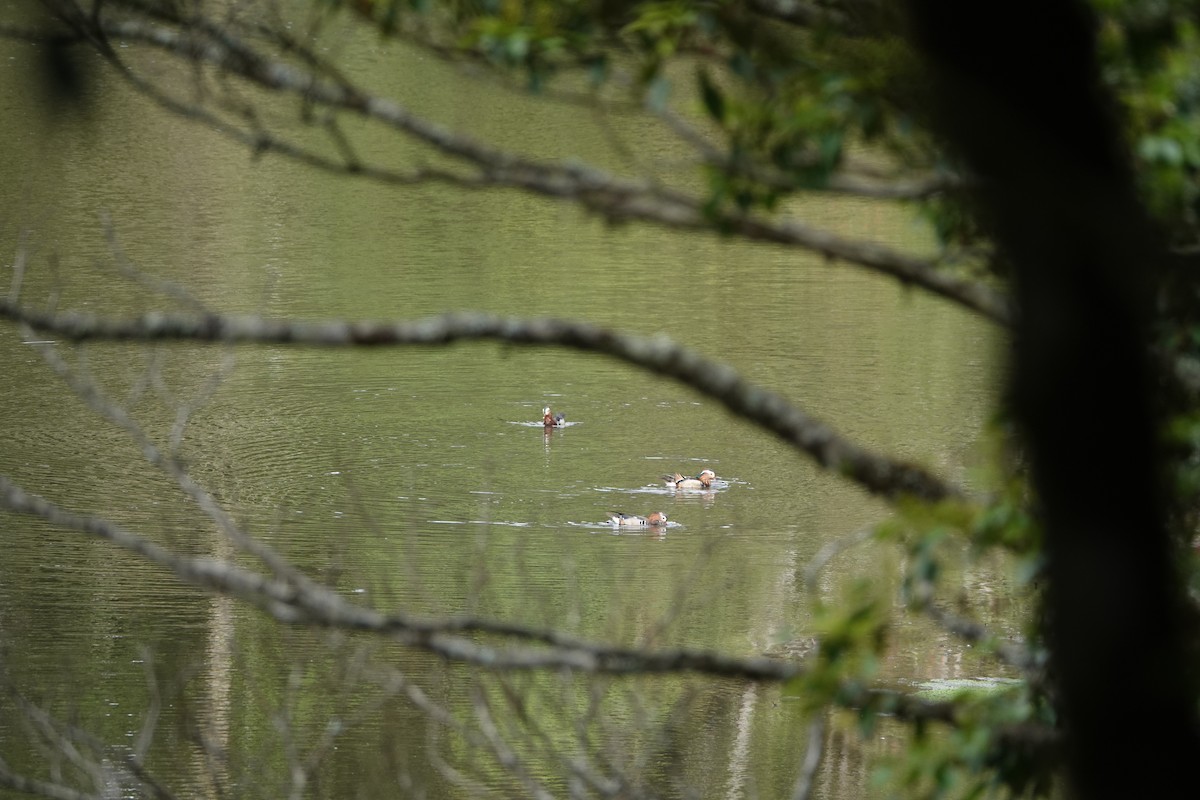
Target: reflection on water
(425, 481)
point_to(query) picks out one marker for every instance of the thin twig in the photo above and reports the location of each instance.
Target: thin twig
(812, 757)
(616, 199)
(830, 550)
(88, 391)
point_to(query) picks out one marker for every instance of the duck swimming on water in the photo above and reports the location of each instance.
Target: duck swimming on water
(702, 481)
(553, 420)
(655, 520)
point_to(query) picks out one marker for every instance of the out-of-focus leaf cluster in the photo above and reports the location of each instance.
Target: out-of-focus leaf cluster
(787, 97)
(852, 634)
(782, 102)
(1150, 54)
(984, 754)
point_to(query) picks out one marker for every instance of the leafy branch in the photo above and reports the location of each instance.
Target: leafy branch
(616, 199)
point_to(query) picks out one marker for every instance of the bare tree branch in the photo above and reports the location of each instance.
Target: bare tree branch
(831, 550)
(171, 289)
(616, 199)
(505, 755)
(319, 606)
(883, 476)
(112, 771)
(90, 393)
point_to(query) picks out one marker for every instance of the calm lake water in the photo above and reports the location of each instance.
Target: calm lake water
(408, 479)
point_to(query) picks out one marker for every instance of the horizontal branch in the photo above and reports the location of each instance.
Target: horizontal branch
(878, 474)
(895, 189)
(616, 199)
(311, 604)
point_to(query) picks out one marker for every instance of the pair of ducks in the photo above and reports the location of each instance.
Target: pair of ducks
(658, 519)
(675, 480)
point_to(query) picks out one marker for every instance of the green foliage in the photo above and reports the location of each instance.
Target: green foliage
(789, 101)
(1006, 522)
(852, 635)
(951, 220)
(661, 30)
(983, 754)
(1151, 58)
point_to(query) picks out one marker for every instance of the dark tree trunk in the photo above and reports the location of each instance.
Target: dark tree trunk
(1016, 95)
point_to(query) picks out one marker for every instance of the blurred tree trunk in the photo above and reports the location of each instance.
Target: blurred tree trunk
(1016, 93)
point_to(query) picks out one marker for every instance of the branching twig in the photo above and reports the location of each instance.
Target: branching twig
(830, 550)
(90, 393)
(171, 289)
(314, 605)
(106, 766)
(505, 755)
(616, 199)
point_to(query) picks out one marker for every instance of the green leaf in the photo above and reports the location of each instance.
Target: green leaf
(1160, 150)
